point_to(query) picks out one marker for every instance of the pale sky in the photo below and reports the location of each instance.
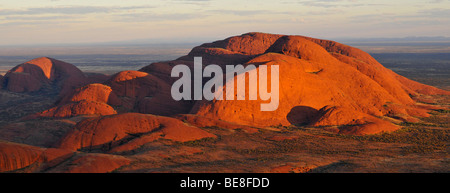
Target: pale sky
(87, 21)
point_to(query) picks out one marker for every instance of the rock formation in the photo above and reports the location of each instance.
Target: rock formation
(15, 156)
(314, 74)
(145, 93)
(121, 122)
(127, 132)
(91, 92)
(37, 73)
(322, 83)
(73, 109)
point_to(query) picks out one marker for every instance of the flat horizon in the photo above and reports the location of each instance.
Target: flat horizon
(198, 41)
(30, 22)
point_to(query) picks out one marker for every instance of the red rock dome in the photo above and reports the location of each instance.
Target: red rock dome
(313, 74)
(34, 74)
(127, 131)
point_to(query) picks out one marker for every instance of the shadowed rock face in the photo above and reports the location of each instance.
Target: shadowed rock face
(92, 99)
(1, 81)
(314, 75)
(145, 93)
(33, 75)
(127, 91)
(14, 156)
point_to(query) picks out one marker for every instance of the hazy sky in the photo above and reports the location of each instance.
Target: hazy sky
(83, 21)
